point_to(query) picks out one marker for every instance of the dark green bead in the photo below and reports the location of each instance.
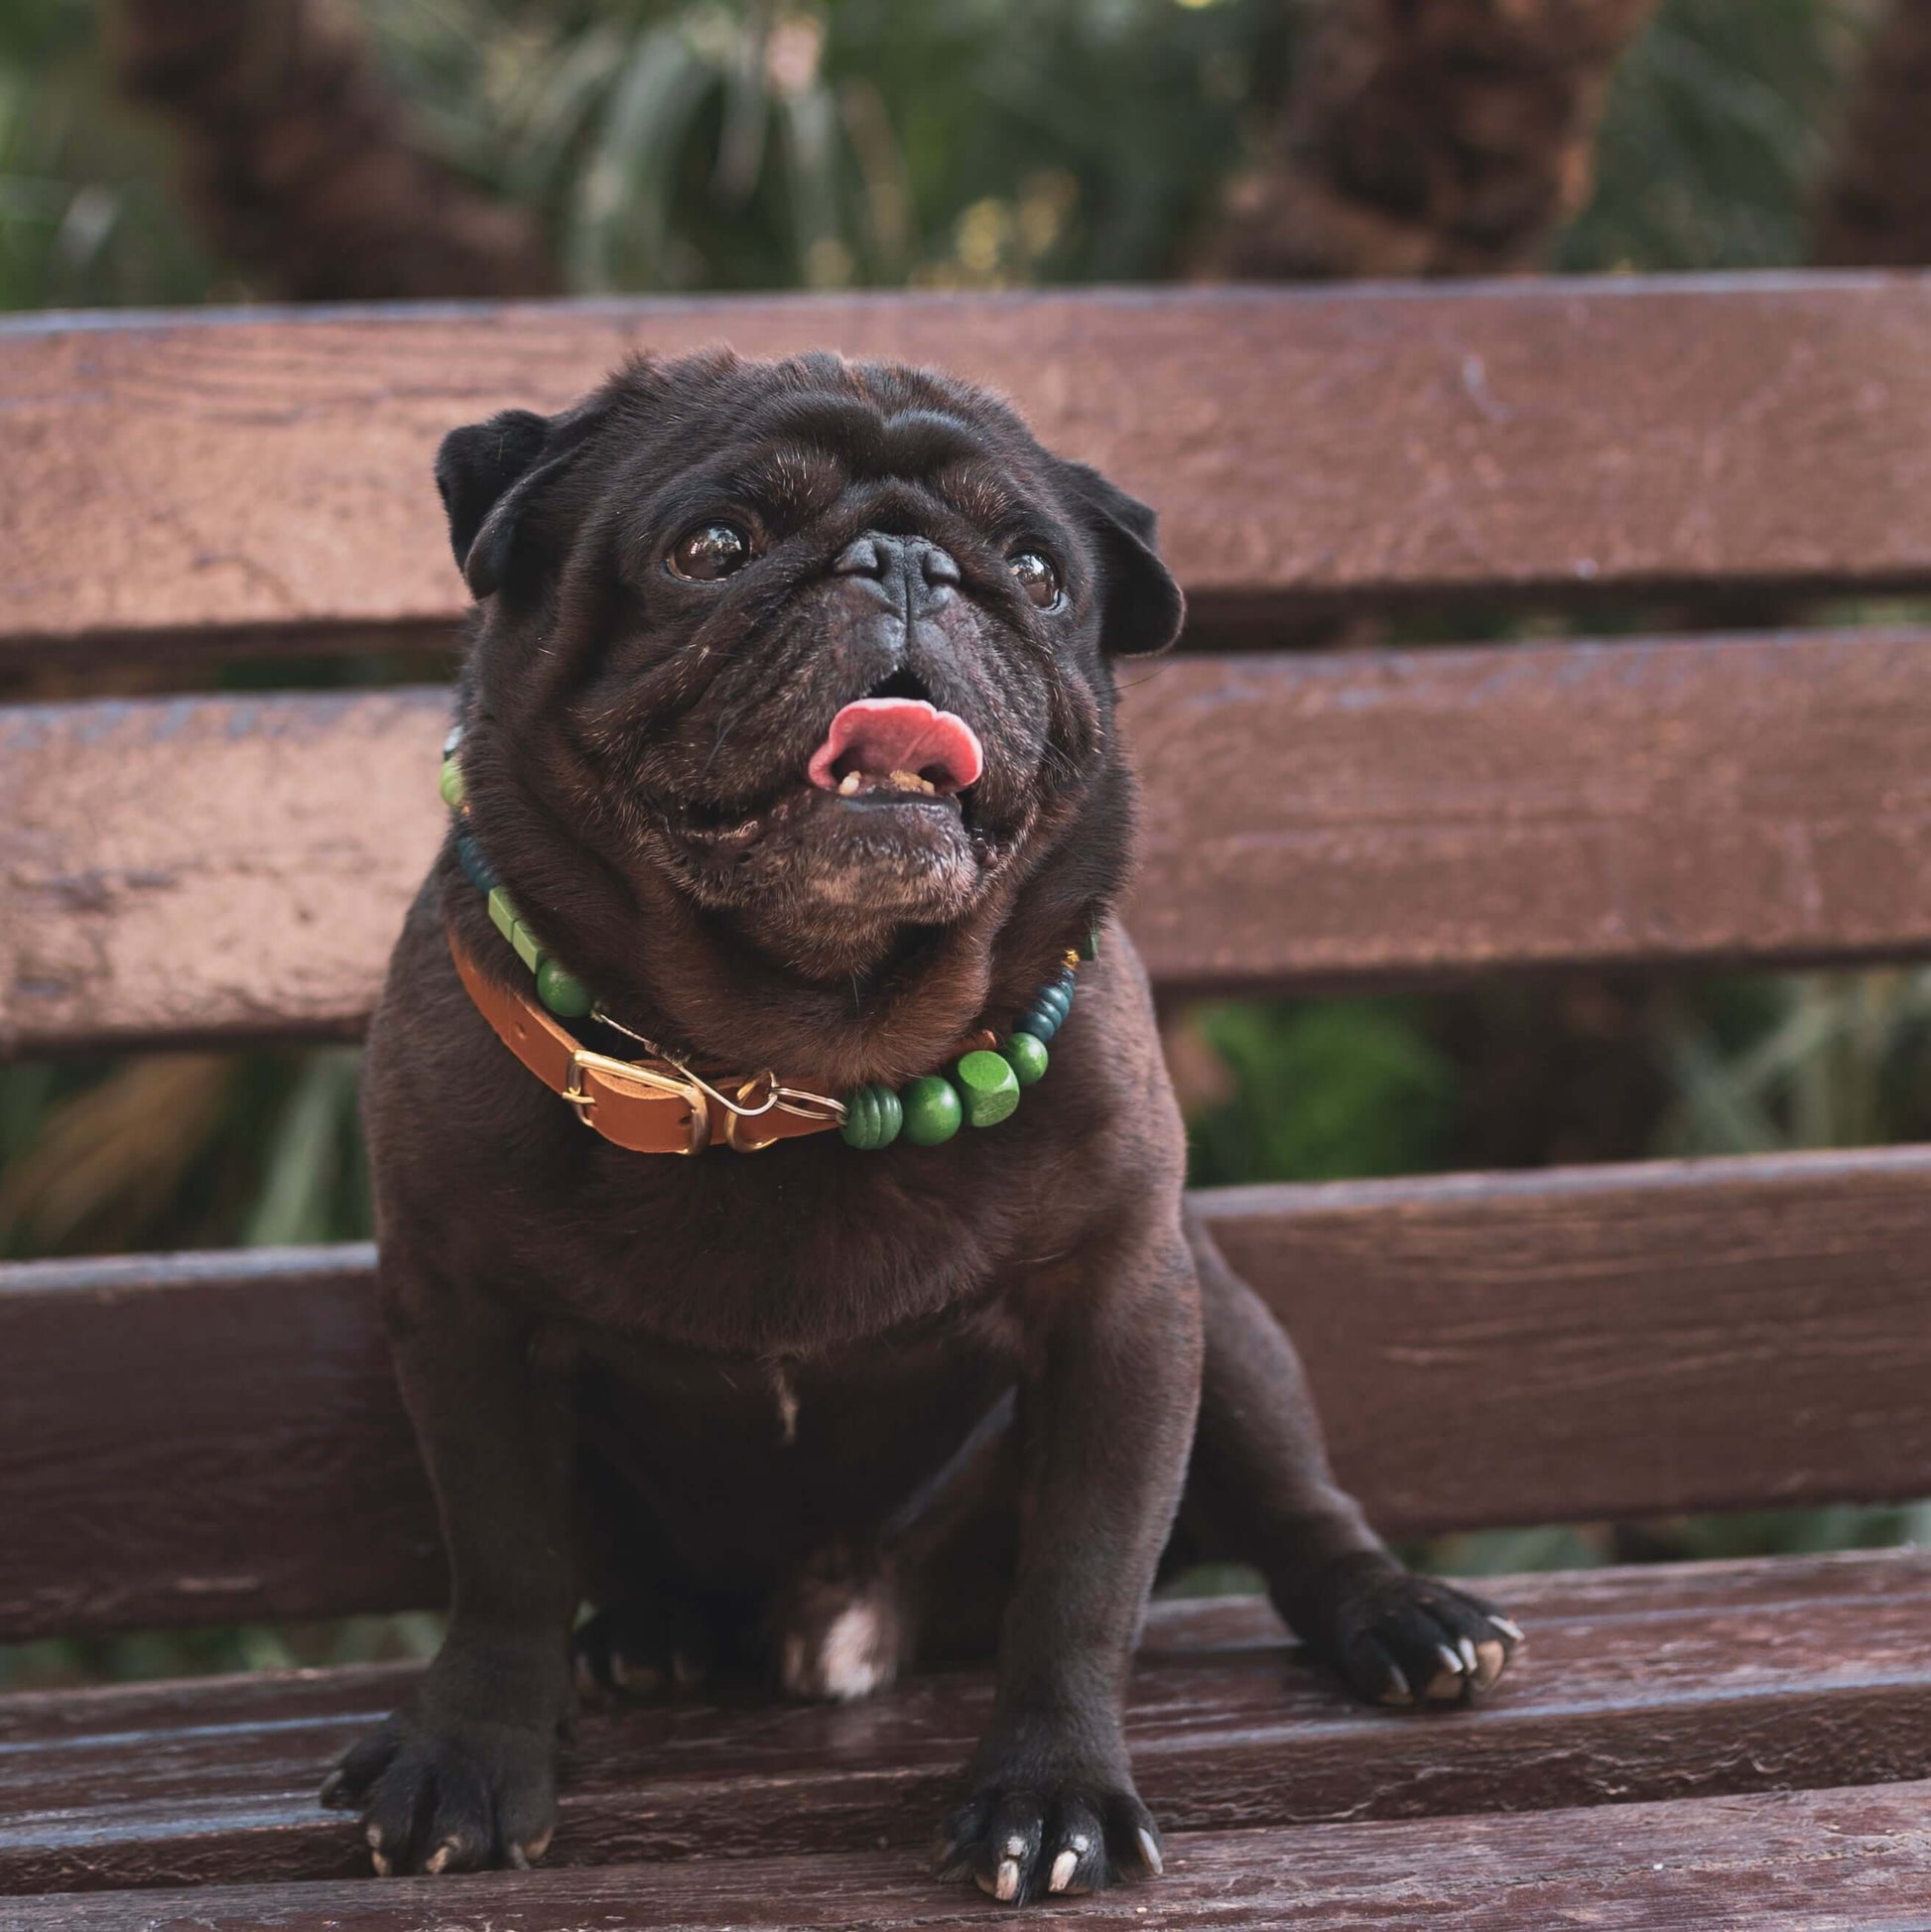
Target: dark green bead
(988, 1087)
(1025, 1053)
(1051, 1006)
(1040, 1024)
(1064, 980)
(1089, 947)
(562, 993)
(451, 783)
(873, 1117)
(933, 1110)
(475, 867)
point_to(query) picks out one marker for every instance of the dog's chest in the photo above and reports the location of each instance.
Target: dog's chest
(784, 1255)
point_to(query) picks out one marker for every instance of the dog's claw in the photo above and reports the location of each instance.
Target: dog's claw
(1064, 1840)
(1393, 1632)
(1508, 1627)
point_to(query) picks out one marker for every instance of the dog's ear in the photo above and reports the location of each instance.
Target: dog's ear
(1143, 607)
(489, 472)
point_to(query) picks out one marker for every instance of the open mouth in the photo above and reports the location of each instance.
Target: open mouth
(897, 750)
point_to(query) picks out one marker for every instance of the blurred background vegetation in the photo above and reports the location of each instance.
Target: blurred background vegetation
(667, 145)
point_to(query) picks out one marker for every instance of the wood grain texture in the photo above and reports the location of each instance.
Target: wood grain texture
(201, 1439)
(1617, 1340)
(204, 1439)
(1681, 1683)
(174, 472)
(1799, 1862)
(195, 868)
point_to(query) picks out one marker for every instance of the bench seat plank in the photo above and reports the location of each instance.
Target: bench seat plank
(206, 1439)
(237, 867)
(271, 474)
(1799, 1862)
(1848, 1860)
(1656, 1683)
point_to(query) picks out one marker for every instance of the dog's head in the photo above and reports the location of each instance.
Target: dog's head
(817, 653)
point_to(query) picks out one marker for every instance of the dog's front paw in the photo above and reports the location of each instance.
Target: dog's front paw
(1033, 1837)
(448, 1797)
(1399, 1639)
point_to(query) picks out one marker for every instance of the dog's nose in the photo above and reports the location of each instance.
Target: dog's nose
(914, 572)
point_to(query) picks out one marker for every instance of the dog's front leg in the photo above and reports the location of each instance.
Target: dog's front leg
(463, 1776)
(1108, 1410)
(1261, 1489)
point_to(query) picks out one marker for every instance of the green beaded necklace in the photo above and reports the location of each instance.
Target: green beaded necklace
(980, 1089)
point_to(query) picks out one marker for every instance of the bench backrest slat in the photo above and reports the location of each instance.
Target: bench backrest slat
(195, 1440)
(194, 868)
(270, 476)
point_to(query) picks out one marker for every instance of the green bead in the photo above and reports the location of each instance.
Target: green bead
(562, 993)
(933, 1110)
(873, 1117)
(527, 949)
(988, 1087)
(1038, 1025)
(1089, 947)
(451, 784)
(503, 912)
(1025, 1054)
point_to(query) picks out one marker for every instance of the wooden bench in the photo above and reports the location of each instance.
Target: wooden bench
(210, 1437)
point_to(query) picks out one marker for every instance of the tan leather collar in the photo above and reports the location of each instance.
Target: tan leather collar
(652, 1105)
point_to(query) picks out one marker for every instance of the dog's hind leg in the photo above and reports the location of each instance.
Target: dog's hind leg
(1259, 1491)
(931, 1583)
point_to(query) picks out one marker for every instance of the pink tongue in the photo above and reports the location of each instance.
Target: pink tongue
(878, 735)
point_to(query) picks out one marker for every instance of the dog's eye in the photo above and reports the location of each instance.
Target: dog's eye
(710, 552)
(1037, 577)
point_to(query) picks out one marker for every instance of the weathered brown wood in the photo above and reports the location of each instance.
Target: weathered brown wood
(211, 1438)
(1425, 812)
(1798, 1861)
(174, 472)
(1682, 1683)
(1619, 1340)
(237, 866)
(200, 1439)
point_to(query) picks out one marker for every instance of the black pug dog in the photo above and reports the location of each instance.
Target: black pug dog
(787, 735)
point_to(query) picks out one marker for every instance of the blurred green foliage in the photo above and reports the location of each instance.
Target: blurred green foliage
(683, 144)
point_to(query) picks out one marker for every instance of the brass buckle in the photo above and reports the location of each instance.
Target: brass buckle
(751, 1098)
(697, 1133)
